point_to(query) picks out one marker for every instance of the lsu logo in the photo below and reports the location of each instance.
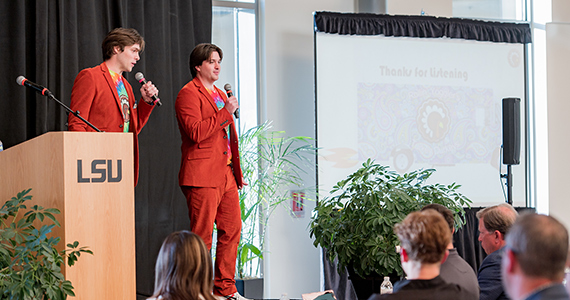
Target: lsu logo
(101, 171)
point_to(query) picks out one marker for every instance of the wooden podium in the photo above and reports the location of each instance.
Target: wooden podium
(89, 177)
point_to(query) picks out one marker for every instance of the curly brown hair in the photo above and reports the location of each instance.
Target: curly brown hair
(424, 235)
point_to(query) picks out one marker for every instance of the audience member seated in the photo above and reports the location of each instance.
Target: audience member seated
(424, 237)
(455, 269)
(494, 223)
(183, 269)
(534, 259)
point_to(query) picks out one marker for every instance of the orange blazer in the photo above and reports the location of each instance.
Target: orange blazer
(204, 138)
(95, 97)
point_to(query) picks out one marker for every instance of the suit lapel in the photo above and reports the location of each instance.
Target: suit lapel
(112, 86)
(205, 92)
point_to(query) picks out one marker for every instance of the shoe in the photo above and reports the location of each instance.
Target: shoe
(234, 296)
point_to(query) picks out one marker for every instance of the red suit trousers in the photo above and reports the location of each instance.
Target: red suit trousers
(220, 205)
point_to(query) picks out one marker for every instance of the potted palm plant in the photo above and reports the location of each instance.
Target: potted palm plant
(272, 165)
(355, 225)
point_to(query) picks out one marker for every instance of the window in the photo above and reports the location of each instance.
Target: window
(234, 30)
(541, 14)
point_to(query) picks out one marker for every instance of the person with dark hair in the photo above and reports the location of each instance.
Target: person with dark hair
(105, 98)
(455, 269)
(424, 237)
(494, 223)
(210, 173)
(183, 269)
(535, 257)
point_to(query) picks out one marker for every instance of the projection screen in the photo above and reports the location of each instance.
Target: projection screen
(413, 103)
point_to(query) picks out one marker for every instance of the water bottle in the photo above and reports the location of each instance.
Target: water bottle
(386, 286)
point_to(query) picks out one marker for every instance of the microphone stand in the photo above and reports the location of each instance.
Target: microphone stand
(509, 184)
(75, 113)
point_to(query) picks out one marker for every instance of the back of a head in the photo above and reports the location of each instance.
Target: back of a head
(540, 244)
(183, 268)
(120, 37)
(499, 217)
(444, 211)
(424, 235)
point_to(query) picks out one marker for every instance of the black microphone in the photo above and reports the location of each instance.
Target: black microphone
(228, 89)
(140, 77)
(21, 80)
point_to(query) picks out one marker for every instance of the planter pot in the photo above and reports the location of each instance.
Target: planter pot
(250, 288)
(365, 287)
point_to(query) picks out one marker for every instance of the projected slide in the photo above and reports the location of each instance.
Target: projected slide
(413, 103)
(426, 124)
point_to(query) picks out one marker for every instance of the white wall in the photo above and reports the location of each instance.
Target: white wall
(558, 64)
(439, 8)
(560, 10)
(293, 264)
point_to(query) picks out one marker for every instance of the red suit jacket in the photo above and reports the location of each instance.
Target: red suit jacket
(204, 139)
(95, 96)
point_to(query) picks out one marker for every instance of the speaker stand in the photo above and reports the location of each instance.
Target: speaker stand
(509, 184)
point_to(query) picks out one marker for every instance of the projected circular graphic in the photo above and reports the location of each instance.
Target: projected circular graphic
(514, 58)
(433, 120)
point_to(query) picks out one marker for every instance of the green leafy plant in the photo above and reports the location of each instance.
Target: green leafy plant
(356, 224)
(272, 165)
(30, 264)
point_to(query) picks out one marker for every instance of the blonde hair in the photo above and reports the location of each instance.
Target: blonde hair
(183, 268)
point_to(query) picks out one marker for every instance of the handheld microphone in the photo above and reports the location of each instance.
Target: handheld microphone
(21, 80)
(228, 89)
(140, 77)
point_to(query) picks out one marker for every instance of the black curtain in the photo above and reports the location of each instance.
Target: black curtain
(466, 240)
(50, 41)
(422, 27)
